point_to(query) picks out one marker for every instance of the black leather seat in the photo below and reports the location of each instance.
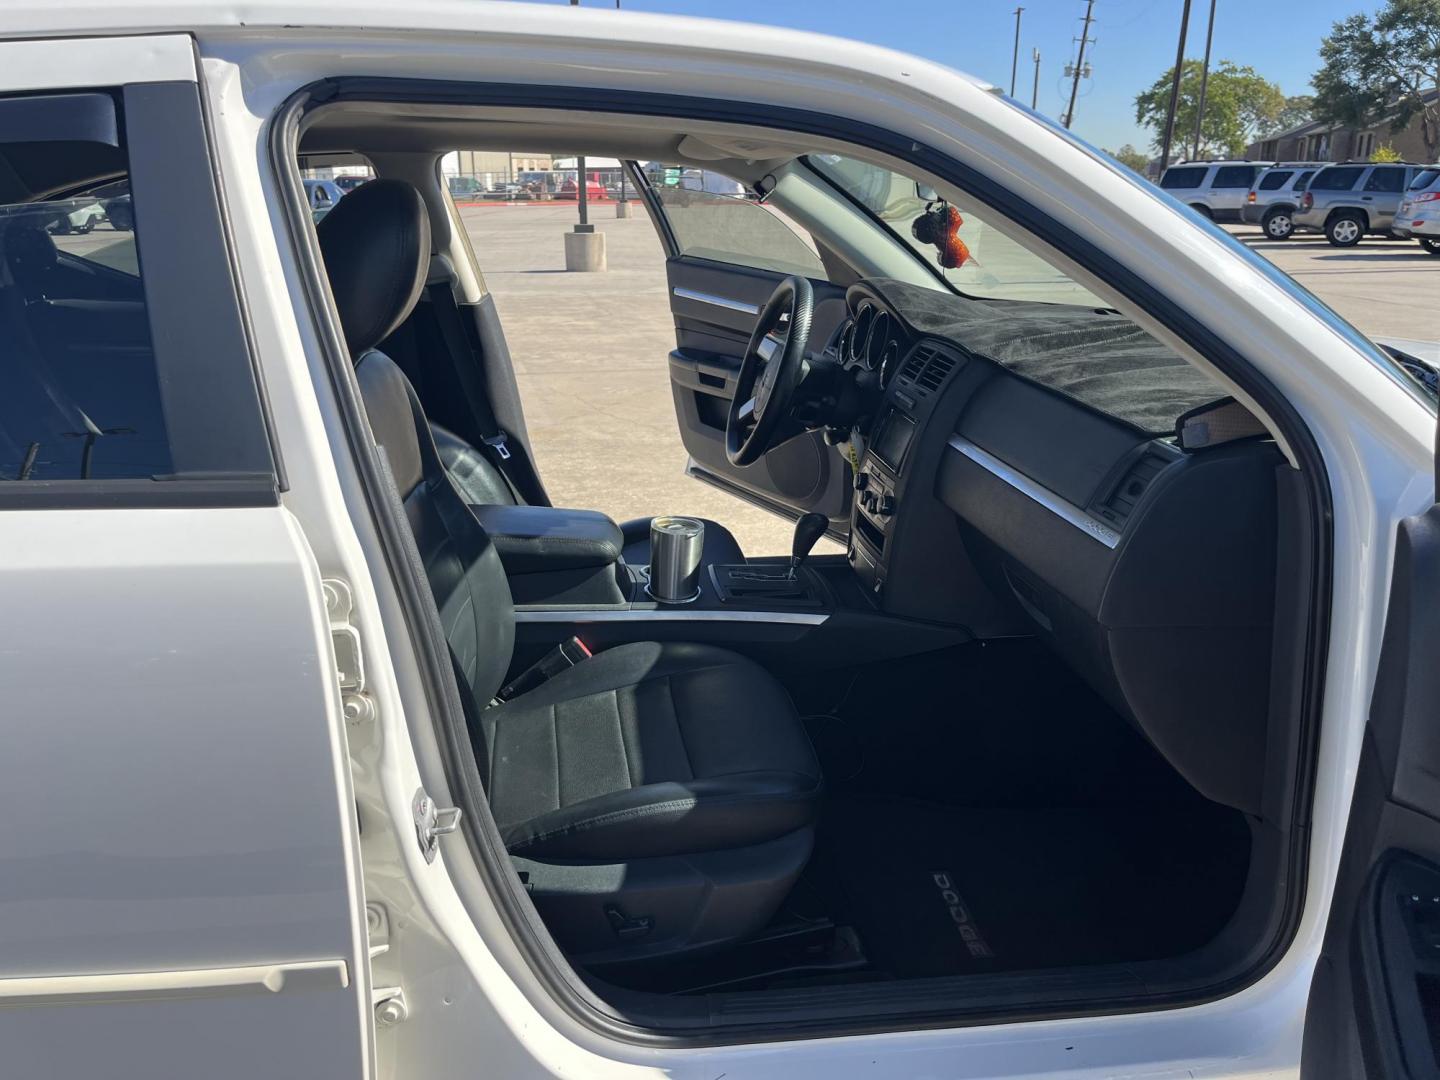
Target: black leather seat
(657, 797)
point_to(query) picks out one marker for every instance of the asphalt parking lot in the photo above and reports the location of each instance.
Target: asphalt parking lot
(590, 349)
(1386, 288)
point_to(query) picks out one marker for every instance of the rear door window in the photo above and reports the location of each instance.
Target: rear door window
(1386, 180)
(1183, 179)
(1335, 179)
(1275, 179)
(1303, 181)
(118, 362)
(1234, 176)
(1424, 179)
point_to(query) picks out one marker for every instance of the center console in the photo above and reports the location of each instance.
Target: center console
(877, 497)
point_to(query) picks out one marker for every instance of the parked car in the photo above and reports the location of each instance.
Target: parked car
(76, 216)
(349, 183)
(1355, 199)
(1105, 746)
(1214, 189)
(1272, 201)
(570, 190)
(115, 200)
(323, 195)
(1418, 215)
(464, 185)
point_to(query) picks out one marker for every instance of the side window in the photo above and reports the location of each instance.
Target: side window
(713, 217)
(1275, 179)
(1183, 179)
(1234, 176)
(1302, 181)
(1335, 179)
(93, 281)
(1387, 180)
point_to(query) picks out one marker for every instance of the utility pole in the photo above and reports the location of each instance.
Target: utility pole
(1204, 78)
(1015, 57)
(584, 248)
(1174, 91)
(1080, 61)
(1035, 91)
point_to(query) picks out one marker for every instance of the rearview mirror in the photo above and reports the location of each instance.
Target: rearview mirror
(925, 192)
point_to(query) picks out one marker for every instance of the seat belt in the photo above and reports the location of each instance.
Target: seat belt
(457, 344)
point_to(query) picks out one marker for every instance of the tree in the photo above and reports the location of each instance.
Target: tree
(1385, 154)
(1384, 66)
(1127, 155)
(1298, 110)
(1238, 103)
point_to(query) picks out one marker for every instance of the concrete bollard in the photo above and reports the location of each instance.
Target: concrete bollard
(622, 209)
(584, 251)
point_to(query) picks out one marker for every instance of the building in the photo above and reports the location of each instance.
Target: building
(491, 167)
(1323, 141)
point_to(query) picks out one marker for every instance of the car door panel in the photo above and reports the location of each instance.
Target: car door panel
(1375, 1004)
(182, 894)
(714, 306)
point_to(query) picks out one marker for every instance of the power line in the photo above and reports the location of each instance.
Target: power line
(1204, 78)
(1080, 68)
(1015, 57)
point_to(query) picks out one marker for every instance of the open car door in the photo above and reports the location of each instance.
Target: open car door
(1375, 1003)
(725, 254)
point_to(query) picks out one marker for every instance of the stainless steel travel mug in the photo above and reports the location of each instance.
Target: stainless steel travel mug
(675, 547)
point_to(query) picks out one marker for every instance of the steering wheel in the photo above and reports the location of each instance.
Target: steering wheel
(773, 366)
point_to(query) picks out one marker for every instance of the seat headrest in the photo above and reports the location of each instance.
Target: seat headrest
(376, 246)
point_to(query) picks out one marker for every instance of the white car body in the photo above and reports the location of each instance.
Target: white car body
(148, 971)
(1419, 212)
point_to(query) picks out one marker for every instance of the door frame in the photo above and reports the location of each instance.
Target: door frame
(553, 976)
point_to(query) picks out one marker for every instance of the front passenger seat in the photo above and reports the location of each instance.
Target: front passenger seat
(657, 798)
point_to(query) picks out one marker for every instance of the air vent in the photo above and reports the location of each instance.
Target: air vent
(915, 363)
(935, 373)
(1126, 495)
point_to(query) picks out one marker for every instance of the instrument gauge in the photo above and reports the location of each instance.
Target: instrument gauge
(860, 333)
(889, 363)
(877, 340)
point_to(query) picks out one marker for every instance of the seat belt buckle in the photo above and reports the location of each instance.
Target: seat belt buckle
(497, 442)
(565, 655)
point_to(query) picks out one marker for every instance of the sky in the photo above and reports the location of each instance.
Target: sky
(1134, 42)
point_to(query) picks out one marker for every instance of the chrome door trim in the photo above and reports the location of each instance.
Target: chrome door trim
(186, 982)
(1066, 511)
(642, 615)
(716, 301)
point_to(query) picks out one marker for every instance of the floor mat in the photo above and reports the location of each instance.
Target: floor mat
(935, 890)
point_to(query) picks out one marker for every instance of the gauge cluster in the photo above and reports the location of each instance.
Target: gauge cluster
(872, 341)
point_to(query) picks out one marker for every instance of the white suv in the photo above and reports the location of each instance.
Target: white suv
(1214, 189)
(1419, 211)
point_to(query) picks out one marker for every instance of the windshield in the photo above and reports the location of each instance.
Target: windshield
(993, 266)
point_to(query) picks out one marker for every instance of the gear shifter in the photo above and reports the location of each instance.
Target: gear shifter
(808, 531)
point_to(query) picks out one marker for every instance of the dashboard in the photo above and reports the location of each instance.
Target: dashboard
(1007, 504)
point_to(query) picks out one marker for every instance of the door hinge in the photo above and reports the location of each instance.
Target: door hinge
(390, 1005)
(348, 660)
(356, 705)
(432, 822)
